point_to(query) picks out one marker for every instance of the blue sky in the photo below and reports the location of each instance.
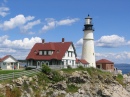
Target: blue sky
(24, 23)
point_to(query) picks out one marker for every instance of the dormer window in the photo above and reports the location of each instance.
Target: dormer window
(45, 52)
(58, 51)
(40, 52)
(50, 52)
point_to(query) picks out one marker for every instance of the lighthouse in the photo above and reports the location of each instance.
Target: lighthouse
(88, 43)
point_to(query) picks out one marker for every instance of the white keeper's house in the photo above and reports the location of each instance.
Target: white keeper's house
(54, 54)
(8, 62)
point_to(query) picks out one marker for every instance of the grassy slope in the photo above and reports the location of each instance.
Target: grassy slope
(9, 71)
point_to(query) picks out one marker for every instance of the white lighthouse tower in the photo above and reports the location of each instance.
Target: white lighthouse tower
(88, 43)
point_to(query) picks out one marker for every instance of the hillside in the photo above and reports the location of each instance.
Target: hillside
(80, 82)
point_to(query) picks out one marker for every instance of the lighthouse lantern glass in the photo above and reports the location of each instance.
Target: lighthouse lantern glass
(88, 21)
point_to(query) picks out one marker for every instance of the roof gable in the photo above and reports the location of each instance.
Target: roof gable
(58, 48)
(104, 61)
(6, 57)
(83, 61)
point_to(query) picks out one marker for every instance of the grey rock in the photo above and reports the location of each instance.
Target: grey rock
(1, 86)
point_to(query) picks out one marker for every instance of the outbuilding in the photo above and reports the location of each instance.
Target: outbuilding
(8, 62)
(105, 65)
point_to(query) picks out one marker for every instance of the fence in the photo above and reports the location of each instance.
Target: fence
(19, 74)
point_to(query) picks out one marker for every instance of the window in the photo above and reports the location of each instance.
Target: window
(45, 52)
(72, 62)
(40, 52)
(66, 61)
(49, 52)
(70, 54)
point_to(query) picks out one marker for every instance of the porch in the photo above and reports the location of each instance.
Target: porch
(10, 65)
(53, 64)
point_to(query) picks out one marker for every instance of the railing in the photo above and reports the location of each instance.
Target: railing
(19, 74)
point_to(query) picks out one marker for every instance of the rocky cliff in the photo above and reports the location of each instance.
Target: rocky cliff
(80, 82)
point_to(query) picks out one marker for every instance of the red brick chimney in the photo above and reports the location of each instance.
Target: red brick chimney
(63, 40)
(43, 41)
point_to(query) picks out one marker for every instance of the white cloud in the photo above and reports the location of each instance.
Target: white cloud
(110, 41)
(29, 25)
(17, 21)
(122, 57)
(128, 42)
(4, 11)
(18, 48)
(7, 50)
(52, 23)
(67, 21)
(26, 43)
(79, 43)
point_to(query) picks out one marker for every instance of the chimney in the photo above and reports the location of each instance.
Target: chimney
(43, 40)
(63, 40)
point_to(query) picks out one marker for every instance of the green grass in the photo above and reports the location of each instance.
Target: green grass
(119, 78)
(9, 71)
(72, 88)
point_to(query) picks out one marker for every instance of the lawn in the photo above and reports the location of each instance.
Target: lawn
(9, 71)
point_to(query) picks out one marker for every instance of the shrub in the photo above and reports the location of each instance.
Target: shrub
(56, 77)
(119, 78)
(80, 67)
(46, 69)
(15, 92)
(69, 67)
(29, 68)
(72, 88)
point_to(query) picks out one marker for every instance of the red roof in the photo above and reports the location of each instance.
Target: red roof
(83, 61)
(58, 48)
(5, 57)
(104, 61)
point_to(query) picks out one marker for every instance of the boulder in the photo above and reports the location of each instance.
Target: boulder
(81, 91)
(19, 81)
(24, 77)
(76, 79)
(1, 86)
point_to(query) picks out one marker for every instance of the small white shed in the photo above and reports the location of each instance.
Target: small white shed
(9, 63)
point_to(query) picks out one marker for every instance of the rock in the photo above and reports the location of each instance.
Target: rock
(19, 81)
(76, 79)
(62, 92)
(81, 91)
(24, 77)
(108, 81)
(128, 87)
(105, 93)
(100, 77)
(30, 79)
(59, 86)
(1, 86)
(27, 82)
(68, 95)
(9, 86)
(30, 90)
(35, 78)
(76, 94)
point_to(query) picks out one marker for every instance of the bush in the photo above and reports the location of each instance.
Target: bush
(29, 68)
(80, 67)
(119, 78)
(56, 77)
(46, 69)
(69, 67)
(15, 92)
(72, 88)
